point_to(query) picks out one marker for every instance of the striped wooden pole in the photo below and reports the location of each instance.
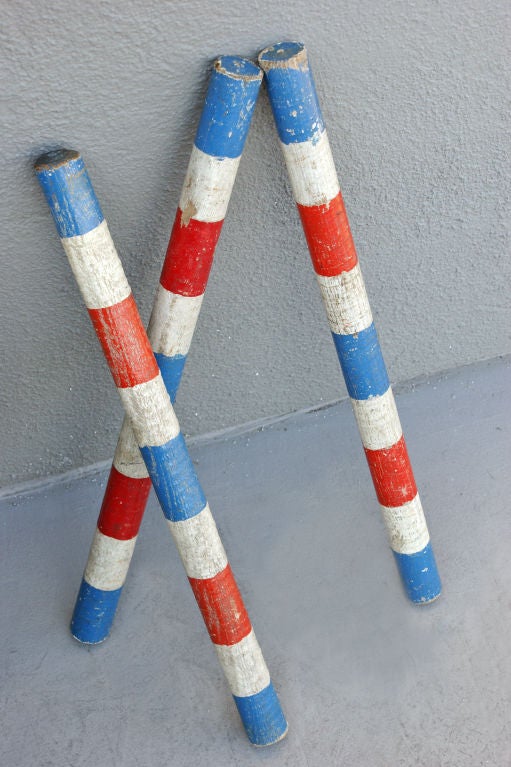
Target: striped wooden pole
(98, 271)
(317, 194)
(214, 161)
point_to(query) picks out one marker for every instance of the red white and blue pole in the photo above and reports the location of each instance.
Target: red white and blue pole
(98, 271)
(318, 197)
(214, 161)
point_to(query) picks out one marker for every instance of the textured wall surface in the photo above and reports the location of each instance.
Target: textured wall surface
(414, 96)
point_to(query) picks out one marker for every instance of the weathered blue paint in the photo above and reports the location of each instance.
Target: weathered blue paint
(230, 102)
(63, 176)
(174, 479)
(419, 574)
(171, 369)
(362, 363)
(262, 716)
(93, 613)
(293, 96)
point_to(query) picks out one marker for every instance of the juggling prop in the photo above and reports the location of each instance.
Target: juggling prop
(99, 274)
(316, 190)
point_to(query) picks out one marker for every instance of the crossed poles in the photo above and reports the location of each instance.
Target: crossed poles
(147, 368)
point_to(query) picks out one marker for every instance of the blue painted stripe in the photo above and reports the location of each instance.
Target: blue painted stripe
(362, 363)
(171, 369)
(174, 479)
(295, 104)
(262, 716)
(68, 190)
(420, 575)
(94, 613)
(228, 107)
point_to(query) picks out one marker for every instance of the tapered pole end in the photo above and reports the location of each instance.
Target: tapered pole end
(238, 68)
(419, 574)
(56, 158)
(68, 191)
(93, 614)
(284, 55)
(262, 717)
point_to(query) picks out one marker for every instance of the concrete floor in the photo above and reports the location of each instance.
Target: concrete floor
(365, 677)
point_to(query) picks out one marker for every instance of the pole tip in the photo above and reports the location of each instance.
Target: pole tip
(292, 55)
(238, 68)
(54, 159)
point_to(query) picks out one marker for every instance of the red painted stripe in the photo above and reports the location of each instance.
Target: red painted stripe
(328, 236)
(123, 505)
(222, 607)
(189, 255)
(125, 344)
(392, 474)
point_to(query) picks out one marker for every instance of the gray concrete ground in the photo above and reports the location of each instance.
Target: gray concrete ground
(365, 677)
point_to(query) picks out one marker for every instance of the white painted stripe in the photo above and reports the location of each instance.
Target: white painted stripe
(150, 411)
(378, 421)
(244, 666)
(109, 561)
(406, 527)
(97, 267)
(207, 188)
(346, 302)
(199, 545)
(128, 458)
(173, 322)
(311, 171)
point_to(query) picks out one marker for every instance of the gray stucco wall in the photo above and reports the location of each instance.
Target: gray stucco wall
(414, 96)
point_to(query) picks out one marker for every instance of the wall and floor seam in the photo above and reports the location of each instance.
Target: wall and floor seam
(35, 486)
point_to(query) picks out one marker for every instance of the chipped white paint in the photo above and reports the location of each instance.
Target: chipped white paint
(97, 267)
(108, 563)
(207, 187)
(311, 171)
(406, 527)
(199, 545)
(128, 458)
(244, 666)
(173, 321)
(378, 421)
(151, 413)
(346, 302)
